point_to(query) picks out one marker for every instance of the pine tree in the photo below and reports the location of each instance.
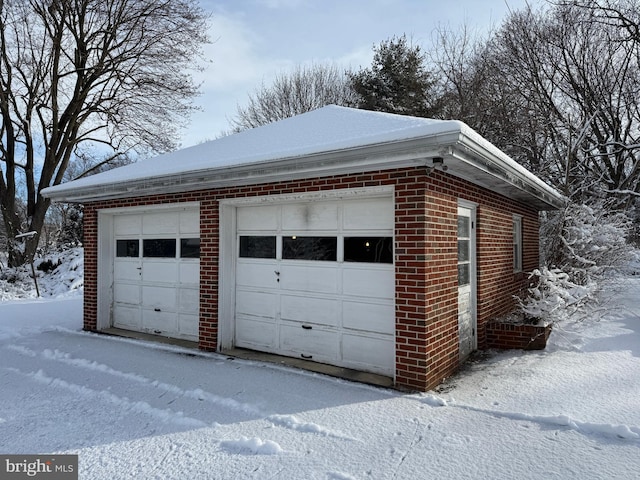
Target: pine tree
(397, 82)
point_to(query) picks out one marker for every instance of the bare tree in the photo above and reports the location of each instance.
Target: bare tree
(111, 75)
(558, 89)
(304, 89)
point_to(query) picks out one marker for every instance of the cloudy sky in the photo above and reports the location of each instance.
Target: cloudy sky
(253, 40)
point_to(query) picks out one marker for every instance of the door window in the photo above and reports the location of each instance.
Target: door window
(159, 248)
(368, 249)
(190, 248)
(258, 246)
(517, 243)
(127, 248)
(464, 253)
(310, 248)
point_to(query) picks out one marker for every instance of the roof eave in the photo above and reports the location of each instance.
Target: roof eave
(480, 162)
(466, 157)
(338, 162)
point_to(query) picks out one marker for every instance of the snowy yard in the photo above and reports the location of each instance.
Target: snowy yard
(136, 410)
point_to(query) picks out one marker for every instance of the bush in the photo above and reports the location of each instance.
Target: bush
(582, 245)
(553, 296)
(587, 241)
(48, 265)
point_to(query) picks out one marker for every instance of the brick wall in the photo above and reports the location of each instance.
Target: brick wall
(425, 260)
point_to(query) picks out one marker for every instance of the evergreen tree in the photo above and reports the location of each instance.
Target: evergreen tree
(397, 82)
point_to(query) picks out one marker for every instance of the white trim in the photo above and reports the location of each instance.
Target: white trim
(468, 204)
(226, 275)
(105, 270)
(168, 207)
(338, 194)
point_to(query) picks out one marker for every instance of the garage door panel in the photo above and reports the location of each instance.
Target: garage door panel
(320, 344)
(127, 225)
(159, 271)
(368, 282)
(190, 222)
(321, 311)
(159, 322)
(258, 304)
(370, 214)
(126, 271)
(264, 217)
(310, 216)
(160, 223)
(255, 333)
(256, 274)
(163, 298)
(379, 318)
(189, 273)
(125, 316)
(188, 326)
(308, 277)
(188, 300)
(369, 353)
(125, 293)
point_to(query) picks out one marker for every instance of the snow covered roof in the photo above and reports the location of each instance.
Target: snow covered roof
(328, 141)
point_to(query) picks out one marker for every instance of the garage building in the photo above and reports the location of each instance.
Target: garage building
(370, 241)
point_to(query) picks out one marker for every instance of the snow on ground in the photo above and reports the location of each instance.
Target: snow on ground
(132, 409)
(63, 278)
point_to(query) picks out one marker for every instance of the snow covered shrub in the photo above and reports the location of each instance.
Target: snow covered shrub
(581, 245)
(553, 296)
(587, 241)
(48, 265)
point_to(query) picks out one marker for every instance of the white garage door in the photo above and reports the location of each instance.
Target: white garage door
(316, 281)
(156, 273)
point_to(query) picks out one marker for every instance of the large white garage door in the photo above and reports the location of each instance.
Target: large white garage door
(156, 273)
(316, 281)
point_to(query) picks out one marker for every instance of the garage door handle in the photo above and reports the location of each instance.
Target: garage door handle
(157, 310)
(306, 356)
(307, 327)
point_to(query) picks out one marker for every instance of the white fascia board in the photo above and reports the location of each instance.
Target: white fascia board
(340, 162)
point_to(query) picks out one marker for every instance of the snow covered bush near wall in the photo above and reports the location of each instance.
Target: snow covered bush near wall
(587, 241)
(582, 245)
(553, 296)
(58, 274)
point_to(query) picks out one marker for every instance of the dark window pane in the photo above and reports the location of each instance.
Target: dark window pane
(159, 248)
(368, 249)
(463, 226)
(310, 248)
(463, 250)
(190, 248)
(258, 247)
(464, 277)
(127, 248)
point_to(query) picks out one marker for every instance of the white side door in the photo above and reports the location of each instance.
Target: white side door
(467, 322)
